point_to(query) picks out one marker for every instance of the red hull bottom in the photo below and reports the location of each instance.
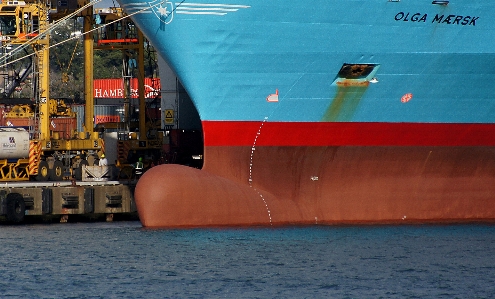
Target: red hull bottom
(239, 186)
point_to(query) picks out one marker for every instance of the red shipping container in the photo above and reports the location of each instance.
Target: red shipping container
(19, 122)
(106, 119)
(114, 88)
(65, 126)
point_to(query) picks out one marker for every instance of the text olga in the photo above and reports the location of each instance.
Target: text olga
(441, 19)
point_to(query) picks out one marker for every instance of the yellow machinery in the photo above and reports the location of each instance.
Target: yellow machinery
(27, 24)
(55, 108)
(118, 33)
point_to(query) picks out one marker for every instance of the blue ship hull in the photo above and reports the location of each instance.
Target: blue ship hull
(231, 57)
(329, 111)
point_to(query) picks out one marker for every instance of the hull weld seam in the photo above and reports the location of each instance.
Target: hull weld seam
(250, 180)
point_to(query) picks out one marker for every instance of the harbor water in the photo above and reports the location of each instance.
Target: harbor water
(124, 260)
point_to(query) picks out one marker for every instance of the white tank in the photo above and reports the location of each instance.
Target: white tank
(14, 143)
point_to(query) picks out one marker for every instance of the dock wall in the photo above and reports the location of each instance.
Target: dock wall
(20, 201)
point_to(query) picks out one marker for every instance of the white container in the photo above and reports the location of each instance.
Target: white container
(14, 143)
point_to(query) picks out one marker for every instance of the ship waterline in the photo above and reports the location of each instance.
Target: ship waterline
(322, 185)
(445, 179)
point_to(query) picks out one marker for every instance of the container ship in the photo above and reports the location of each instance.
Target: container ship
(328, 111)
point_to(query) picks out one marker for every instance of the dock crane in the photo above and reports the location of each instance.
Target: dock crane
(120, 33)
(38, 152)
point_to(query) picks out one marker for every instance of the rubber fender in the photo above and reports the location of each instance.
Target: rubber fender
(16, 208)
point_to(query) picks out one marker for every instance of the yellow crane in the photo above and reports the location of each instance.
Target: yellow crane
(120, 33)
(45, 156)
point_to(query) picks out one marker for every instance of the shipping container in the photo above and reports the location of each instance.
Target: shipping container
(79, 110)
(64, 127)
(110, 110)
(102, 113)
(106, 119)
(24, 122)
(114, 88)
